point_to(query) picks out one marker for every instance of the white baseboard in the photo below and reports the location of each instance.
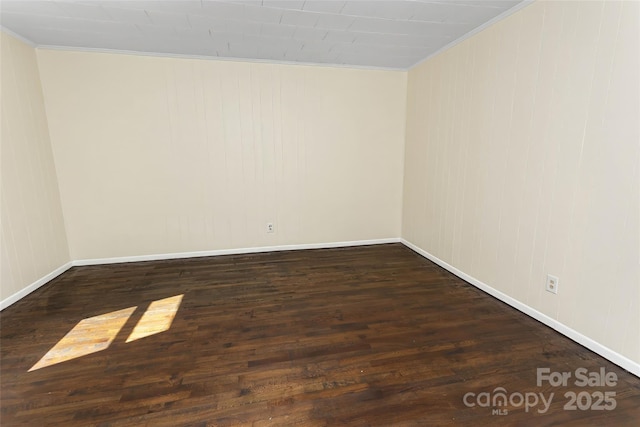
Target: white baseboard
(618, 359)
(35, 285)
(238, 251)
(97, 261)
(607, 353)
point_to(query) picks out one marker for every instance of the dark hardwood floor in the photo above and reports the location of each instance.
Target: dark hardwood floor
(356, 336)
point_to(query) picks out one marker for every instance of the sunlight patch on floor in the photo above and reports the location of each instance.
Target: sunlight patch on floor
(157, 318)
(90, 335)
(96, 333)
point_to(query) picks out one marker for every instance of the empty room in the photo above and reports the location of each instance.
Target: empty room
(320, 213)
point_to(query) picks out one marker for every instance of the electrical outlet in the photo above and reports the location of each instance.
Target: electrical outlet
(270, 228)
(552, 284)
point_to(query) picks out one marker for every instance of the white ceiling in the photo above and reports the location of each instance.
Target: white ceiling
(388, 34)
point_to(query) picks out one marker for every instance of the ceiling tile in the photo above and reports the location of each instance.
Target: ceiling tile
(226, 37)
(284, 4)
(304, 33)
(277, 30)
(394, 39)
(302, 19)
(274, 41)
(244, 27)
(397, 9)
(170, 6)
(263, 14)
(267, 51)
(245, 2)
(340, 37)
(83, 11)
(376, 33)
(437, 12)
(192, 33)
(32, 7)
(317, 46)
(155, 31)
(500, 4)
(206, 22)
(221, 10)
(414, 28)
(243, 50)
(168, 19)
(326, 6)
(382, 51)
(334, 22)
(131, 16)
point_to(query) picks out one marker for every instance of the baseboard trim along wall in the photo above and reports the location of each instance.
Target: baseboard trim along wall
(157, 257)
(238, 251)
(35, 285)
(592, 345)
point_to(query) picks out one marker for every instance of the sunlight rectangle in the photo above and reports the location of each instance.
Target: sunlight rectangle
(88, 336)
(157, 318)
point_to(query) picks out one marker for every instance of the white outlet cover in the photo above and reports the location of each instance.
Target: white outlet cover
(552, 284)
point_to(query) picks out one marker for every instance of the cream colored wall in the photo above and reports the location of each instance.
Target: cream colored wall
(522, 159)
(161, 155)
(33, 235)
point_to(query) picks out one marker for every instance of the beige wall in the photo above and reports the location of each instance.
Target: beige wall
(33, 234)
(522, 157)
(161, 155)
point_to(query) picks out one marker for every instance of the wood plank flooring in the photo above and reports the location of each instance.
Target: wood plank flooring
(359, 336)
